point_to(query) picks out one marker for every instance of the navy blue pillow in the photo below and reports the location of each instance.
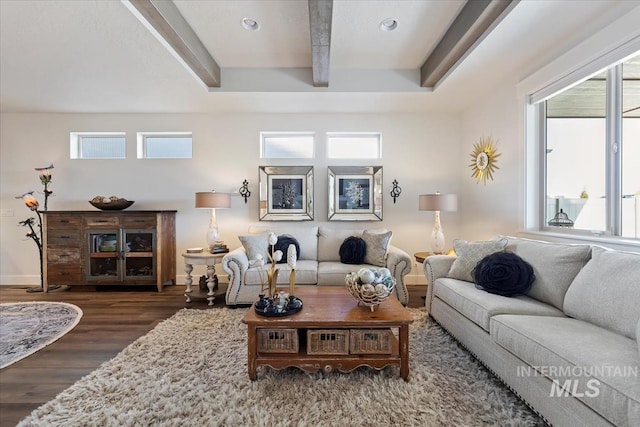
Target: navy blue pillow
(353, 250)
(504, 273)
(283, 245)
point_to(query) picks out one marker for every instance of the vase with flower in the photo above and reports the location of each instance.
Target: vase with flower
(271, 302)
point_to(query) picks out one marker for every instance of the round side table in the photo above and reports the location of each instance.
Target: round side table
(203, 258)
(420, 256)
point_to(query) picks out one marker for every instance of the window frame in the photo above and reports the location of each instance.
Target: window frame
(354, 135)
(535, 153)
(141, 144)
(75, 144)
(264, 135)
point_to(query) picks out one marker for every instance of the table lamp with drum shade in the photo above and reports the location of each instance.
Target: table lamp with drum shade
(213, 200)
(438, 202)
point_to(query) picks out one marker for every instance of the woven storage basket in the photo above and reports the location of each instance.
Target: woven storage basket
(278, 341)
(327, 341)
(371, 341)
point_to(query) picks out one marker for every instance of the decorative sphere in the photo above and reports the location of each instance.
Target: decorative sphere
(385, 272)
(367, 276)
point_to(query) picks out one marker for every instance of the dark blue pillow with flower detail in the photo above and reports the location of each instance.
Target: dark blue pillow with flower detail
(504, 273)
(353, 250)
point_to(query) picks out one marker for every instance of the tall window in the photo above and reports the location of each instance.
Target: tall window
(592, 154)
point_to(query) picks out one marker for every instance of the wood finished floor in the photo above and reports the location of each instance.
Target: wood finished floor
(112, 319)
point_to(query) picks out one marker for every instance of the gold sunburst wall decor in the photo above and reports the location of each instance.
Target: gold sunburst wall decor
(483, 160)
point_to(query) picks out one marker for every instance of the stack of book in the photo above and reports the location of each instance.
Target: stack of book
(219, 248)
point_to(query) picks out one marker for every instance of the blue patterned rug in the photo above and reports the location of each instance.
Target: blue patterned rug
(26, 327)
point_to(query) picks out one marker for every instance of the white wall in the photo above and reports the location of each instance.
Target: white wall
(421, 151)
(487, 210)
(499, 207)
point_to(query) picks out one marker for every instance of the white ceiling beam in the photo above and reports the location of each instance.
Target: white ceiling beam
(166, 23)
(292, 80)
(474, 22)
(320, 16)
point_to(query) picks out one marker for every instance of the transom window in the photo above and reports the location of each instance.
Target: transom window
(98, 145)
(354, 145)
(287, 145)
(164, 145)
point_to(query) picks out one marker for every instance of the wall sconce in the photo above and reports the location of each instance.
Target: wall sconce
(244, 190)
(396, 190)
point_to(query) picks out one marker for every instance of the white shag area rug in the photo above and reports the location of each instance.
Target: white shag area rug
(191, 370)
(26, 327)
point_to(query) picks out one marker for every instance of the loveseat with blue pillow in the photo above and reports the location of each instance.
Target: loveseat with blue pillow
(569, 346)
(318, 263)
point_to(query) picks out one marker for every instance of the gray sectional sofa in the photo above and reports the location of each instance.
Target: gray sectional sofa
(318, 263)
(570, 347)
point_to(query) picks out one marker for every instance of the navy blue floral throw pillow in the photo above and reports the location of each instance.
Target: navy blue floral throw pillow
(353, 250)
(504, 273)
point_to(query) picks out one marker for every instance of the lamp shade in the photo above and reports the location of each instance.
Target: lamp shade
(211, 199)
(438, 202)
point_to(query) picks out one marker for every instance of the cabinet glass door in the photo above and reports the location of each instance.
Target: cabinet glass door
(104, 254)
(139, 249)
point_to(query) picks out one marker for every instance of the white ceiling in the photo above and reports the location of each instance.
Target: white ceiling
(95, 56)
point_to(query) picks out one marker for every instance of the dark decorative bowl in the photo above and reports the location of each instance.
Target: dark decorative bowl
(116, 205)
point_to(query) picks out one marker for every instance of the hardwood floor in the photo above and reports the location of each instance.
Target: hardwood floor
(112, 319)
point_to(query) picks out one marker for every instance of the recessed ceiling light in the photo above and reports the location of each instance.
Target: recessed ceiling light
(389, 24)
(250, 24)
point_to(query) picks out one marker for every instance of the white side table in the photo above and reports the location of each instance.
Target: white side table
(203, 258)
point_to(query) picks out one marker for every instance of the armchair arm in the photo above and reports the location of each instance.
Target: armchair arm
(236, 264)
(435, 267)
(399, 263)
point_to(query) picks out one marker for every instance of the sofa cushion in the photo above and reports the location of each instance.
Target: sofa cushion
(469, 254)
(329, 241)
(334, 272)
(478, 305)
(306, 274)
(570, 349)
(555, 266)
(307, 237)
(352, 250)
(377, 245)
(256, 245)
(606, 292)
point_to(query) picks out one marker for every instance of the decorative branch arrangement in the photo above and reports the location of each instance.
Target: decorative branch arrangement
(32, 203)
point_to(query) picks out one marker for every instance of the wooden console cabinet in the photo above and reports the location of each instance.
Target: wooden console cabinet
(109, 248)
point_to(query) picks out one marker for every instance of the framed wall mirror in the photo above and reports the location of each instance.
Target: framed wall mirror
(355, 193)
(286, 193)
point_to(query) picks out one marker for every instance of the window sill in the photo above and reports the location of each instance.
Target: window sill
(617, 243)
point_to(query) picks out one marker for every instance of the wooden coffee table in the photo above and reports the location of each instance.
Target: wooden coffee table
(330, 332)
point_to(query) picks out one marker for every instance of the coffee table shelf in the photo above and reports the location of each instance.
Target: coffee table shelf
(328, 363)
(327, 309)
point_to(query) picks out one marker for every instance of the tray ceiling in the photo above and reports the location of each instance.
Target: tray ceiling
(96, 56)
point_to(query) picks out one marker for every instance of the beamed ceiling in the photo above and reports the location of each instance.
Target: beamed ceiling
(102, 56)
